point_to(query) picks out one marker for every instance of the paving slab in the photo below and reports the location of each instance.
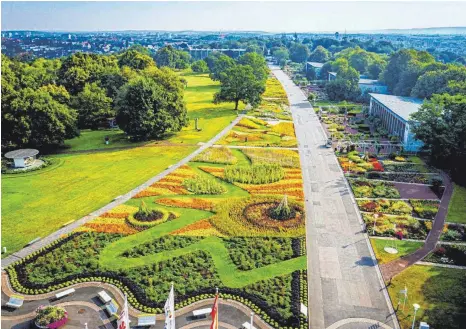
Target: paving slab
(344, 280)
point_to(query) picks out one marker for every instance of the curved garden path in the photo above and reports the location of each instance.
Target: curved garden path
(232, 316)
(117, 201)
(389, 270)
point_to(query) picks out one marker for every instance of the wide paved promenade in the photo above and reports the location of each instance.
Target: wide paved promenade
(345, 287)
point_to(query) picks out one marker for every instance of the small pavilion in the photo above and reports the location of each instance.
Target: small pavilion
(23, 157)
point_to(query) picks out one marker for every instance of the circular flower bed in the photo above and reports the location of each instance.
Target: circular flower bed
(263, 214)
(50, 316)
(149, 216)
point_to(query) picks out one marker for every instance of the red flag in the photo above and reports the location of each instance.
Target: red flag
(214, 314)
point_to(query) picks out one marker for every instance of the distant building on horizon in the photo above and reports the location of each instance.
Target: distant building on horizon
(395, 112)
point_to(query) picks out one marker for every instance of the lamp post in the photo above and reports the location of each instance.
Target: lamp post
(252, 320)
(375, 223)
(416, 307)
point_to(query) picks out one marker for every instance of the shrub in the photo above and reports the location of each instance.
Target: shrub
(262, 173)
(204, 185)
(46, 315)
(144, 214)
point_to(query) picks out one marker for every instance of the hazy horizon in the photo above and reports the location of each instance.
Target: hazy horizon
(273, 17)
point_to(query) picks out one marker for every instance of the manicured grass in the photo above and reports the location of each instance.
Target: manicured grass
(457, 207)
(95, 139)
(37, 205)
(212, 117)
(439, 291)
(404, 248)
(229, 274)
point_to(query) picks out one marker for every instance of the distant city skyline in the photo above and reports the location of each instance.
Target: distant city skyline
(231, 16)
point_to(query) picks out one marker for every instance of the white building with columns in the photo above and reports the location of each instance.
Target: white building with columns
(395, 112)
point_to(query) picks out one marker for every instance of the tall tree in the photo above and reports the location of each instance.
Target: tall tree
(240, 84)
(439, 81)
(199, 66)
(281, 55)
(442, 128)
(152, 105)
(93, 106)
(320, 55)
(35, 119)
(257, 63)
(299, 53)
(135, 60)
(171, 57)
(403, 69)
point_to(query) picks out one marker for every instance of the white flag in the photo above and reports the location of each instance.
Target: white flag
(123, 320)
(170, 310)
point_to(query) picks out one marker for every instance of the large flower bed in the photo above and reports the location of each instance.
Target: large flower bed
(363, 188)
(409, 227)
(285, 158)
(419, 208)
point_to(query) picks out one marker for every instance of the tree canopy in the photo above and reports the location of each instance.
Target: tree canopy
(200, 66)
(240, 84)
(173, 58)
(442, 128)
(320, 55)
(299, 53)
(151, 105)
(257, 63)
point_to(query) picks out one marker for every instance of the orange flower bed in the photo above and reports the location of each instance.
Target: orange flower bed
(173, 188)
(194, 203)
(114, 215)
(200, 225)
(145, 193)
(110, 228)
(215, 171)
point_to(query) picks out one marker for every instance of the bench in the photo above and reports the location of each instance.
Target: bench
(247, 325)
(104, 297)
(303, 309)
(146, 320)
(112, 308)
(201, 314)
(203, 311)
(65, 293)
(33, 241)
(15, 301)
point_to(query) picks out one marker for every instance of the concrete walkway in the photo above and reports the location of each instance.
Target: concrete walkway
(344, 279)
(233, 313)
(389, 270)
(118, 201)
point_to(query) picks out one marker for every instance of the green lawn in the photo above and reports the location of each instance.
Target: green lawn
(38, 203)
(403, 247)
(94, 139)
(457, 207)
(441, 293)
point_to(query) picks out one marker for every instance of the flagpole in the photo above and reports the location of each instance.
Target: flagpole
(218, 308)
(173, 289)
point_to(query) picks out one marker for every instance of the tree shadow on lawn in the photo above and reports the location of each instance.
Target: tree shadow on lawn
(446, 291)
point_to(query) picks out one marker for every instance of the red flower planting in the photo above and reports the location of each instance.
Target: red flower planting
(377, 166)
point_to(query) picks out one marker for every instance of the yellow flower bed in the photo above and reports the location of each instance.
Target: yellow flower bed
(220, 155)
(284, 128)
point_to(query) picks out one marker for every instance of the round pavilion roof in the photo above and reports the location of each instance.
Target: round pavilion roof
(21, 153)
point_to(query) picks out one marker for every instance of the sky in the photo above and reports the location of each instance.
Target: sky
(230, 16)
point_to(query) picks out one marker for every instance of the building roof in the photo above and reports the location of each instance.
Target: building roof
(21, 153)
(402, 106)
(316, 64)
(333, 73)
(363, 81)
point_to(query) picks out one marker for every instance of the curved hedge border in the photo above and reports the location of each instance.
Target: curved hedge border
(137, 224)
(138, 299)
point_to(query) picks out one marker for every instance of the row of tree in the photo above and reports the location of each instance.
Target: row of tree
(48, 101)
